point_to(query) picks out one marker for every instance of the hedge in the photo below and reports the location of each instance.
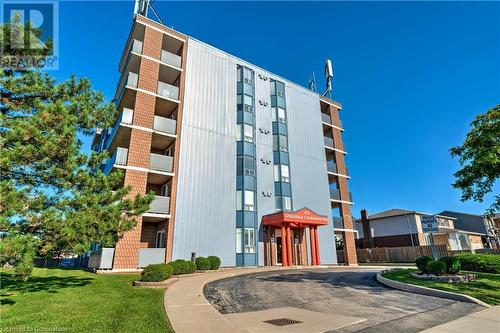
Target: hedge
(480, 262)
(422, 262)
(436, 267)
(181, 266)
(156, 272)
(214, 262)
(452, 264)
(202, 263)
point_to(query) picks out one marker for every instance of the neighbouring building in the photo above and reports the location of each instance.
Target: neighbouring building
(477, 223)
(245, 164)
(400, 227)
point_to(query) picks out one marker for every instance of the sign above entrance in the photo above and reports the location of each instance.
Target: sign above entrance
(429, 223)
(302, 217)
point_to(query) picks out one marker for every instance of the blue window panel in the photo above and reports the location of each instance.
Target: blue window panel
(239, 219)
(249, 149)
(248, 118)
(250, 219)
(281, 157)
(239, 87)
(280, 128)
(277, 188)
(286, 189)
(250, 259)
(239, 259)
(250, 183)
(247, 89)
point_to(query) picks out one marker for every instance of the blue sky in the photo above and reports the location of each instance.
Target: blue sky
(411, 75)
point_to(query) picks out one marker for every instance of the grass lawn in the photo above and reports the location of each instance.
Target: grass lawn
(485, 288)
(78, 301)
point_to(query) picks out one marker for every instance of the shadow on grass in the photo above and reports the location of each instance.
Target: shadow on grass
(49, 284)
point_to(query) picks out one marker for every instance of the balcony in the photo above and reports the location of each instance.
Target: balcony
(160, 205)
(148, 256)
(171, 59)
(136, 46)
(326, 118)
(128, 80)
(331, 166)
(160, 163)
(338, 222)
(164, 125)
(119, 157)
(328, 142)
(168, 91)
(125, 117)
(335, 195)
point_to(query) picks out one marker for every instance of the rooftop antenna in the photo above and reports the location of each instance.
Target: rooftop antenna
(142, 7)
(312, 83)
(329, 77)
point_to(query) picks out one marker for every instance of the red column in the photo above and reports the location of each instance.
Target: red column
(318, 259)
(312, 241)
(284, 260)
(289, 245)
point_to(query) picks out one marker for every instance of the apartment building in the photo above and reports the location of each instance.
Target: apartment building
(245, 165)
(401, 227)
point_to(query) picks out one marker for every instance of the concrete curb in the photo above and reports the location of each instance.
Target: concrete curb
(428, 291)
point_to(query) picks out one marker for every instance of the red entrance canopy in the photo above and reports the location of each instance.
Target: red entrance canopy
(300, 218)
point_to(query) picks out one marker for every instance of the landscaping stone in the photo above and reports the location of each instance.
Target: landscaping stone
(449, 278)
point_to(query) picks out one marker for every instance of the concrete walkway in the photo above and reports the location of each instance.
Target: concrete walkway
(486, 321)
(189, 311)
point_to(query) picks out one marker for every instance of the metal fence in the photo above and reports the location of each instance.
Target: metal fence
(406, 254)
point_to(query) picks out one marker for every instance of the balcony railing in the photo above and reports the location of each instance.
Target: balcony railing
(326, 118)
(119, 157)
(125, 117)
(168, 90)
(335, 195)
(338, 222)
(171, 59)
(328, 142)
(136, 46)
(151, 256)
(331, 166)
(102, 258)
(165, 125)
(129, 79)
(160, 205)
(160, 162)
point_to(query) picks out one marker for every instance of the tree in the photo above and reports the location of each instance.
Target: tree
(479, 157)
(54, 197)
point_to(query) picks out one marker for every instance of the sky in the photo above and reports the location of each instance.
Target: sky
(411, 76)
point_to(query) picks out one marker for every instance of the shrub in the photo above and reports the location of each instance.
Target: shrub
(480, 262)
(214, 262)
(191, 267)
(156, 272)
(202, 263)
(422, 262)
(179, 266)
(452, 264)
(436, 267)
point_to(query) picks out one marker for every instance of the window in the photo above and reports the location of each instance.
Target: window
(276, 173)
(287, 203)
(283, 143)
(248, 89)
(247, 75)
(247, 100)
(248, 133)
(239, 132)
(238, 74)
(281, 115)
(285, 176)
(280, 89)
(249, 240)
(238, 240)
(239, 195)
(279, 203)
(160, 239)
(249, 201)
(275, 142)
(239, 99)
(273, 88)
(245, 166)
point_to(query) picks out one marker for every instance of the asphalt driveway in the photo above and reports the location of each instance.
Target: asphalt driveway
(341, 291)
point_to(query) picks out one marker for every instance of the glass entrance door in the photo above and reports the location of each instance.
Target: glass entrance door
(278, 250)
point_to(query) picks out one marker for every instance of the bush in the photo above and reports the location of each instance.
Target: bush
(180, 266)
(202, 263)
(436, 267)
(191, 267)
(480, 262)
(422, 262)
(452, 264)
(214, 262)
(156, 272)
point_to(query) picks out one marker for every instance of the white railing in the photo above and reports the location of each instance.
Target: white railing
(160, 162)
(137, 46)
(171, 59)
(148, 256)
(165, 125)
(160, 205)
(121, 156)
(168, 90)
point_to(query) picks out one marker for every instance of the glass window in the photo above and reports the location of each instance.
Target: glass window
(160, 239)
(239, 99)
(249, 240)
(239, 237)
(247, 100)
(279, 203)
(276, 173)
(249, 201)
(239, 132)
(283, 143)
(280, 88)
(247, 75)
(238, 200)
(273, 88)
(287, 203)
(274, 115)
(245, 165)
(281, 102)
(275, 142)
(285, 176)
(281, 115)
(238, 74)
(248, 133)
(248, 89)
